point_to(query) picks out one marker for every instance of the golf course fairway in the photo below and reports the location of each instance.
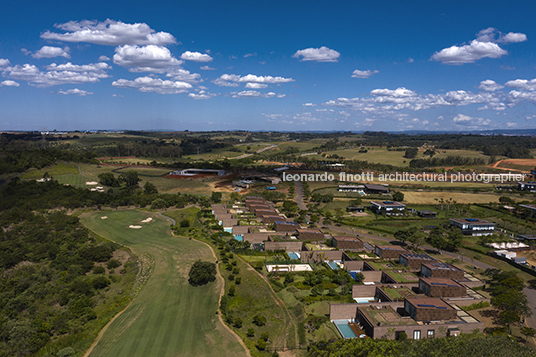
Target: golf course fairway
(168, 317)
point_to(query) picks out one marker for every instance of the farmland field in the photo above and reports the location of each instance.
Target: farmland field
(168, 317)
(460, 197)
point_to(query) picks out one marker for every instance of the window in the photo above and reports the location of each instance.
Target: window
(430, 333)
(417, 334)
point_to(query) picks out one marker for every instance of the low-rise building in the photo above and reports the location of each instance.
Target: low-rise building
(310, 234)
(271, 218)
(389, 208)
(351, 188)
(437, 269)
(389, 251)
(259, 212)
(282, 226)
(473, 226)
(427, 214)
(376, 189)
(441, 287)
(349, 243)
(417, 318)
(413, 260)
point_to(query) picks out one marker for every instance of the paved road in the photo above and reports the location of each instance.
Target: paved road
(171, 219)
(81, 173)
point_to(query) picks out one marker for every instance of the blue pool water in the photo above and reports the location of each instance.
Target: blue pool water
(239, 237)
(293, 255)
(333, 265)
(344, 329)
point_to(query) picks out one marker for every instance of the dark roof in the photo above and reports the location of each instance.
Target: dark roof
(411, 255)
(429, 303)
(390, 247)
(473, 221)
(439, 266)
(441, 281)
(376, 187)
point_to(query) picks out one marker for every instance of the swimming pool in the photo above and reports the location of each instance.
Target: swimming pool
(333, 265)
(294, 255)
(344, 329)
(239, 237)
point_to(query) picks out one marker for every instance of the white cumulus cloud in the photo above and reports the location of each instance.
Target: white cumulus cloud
(9, 83)
(157, 85)
(522, 84)
(75, 91)
(109, 32)
(256, 85)
(4, 62)
(363, 74)
(472, 122)
(104, 58)
(196, 57)
(490, 86)
(151, 58)
(469, 53)
(232, 80)
(322, 54)
(51, 52)
(30, 73)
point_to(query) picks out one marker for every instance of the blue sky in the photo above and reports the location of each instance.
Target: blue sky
(273, 65)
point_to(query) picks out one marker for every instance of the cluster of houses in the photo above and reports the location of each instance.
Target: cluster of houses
(401, 291)
(408, 293)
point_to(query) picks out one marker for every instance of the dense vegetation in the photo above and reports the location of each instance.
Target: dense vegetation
(467, 345)
(46, 288)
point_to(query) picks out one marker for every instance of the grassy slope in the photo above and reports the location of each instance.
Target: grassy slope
(169, 317)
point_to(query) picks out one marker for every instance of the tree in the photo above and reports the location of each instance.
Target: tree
(398, 196)
(237, 322)
(250, 333)
(411, 153)
(216, 197)
(108, 179)
(130, 178)
(202, 273)
(150, 188)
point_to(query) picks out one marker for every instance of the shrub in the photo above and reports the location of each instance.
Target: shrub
(261, 344)
(238, 280)
(259, 320)
(100, 282)
(202, 273)
(185, 223)
(98, 270)
(265, 336)
(112, 264)
(237, 322)
(250, 333)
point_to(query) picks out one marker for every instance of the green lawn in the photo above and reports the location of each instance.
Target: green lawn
(58, 169)
(168, 317)
(185, 213)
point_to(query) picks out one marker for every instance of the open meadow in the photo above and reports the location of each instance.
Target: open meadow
(169, 317)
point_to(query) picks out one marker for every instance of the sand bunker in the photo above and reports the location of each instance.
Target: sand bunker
(91, 183)
(104, 217)
(134, 227)
(147, 220)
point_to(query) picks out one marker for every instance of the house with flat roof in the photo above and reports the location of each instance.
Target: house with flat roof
(473, 226)
(347, 242)
(413, 260)
(441, 287)
(427, 214)
(259, 212)
(352, 188)
(310, 234)
(271, 218)
(527, 186)
(375, 189)
(282, 226)
(389, 208)
(437, 269)
(389, 251)
(417, 317)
